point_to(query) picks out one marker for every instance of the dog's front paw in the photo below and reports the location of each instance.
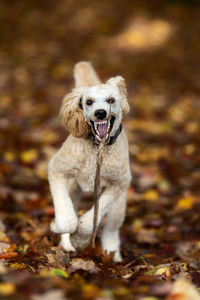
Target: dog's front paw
(117, 257)
(64, 224)
(66, 243)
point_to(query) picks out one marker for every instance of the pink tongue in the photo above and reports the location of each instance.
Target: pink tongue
(101, 130)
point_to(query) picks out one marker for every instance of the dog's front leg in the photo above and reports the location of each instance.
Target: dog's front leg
(66, 220)
(82, 236)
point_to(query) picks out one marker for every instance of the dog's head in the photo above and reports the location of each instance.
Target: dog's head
(88, 109)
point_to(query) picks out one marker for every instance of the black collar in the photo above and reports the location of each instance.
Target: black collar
(112, 139)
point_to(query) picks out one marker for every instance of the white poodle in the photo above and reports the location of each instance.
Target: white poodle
(85, 112)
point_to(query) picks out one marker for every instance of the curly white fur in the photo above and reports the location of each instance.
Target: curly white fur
(72, 170)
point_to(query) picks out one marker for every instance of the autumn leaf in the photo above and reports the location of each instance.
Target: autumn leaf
(59, 272)
(8, 255)
(163, 271)
(29, 156)
(151, 195)
(45, 272)
(7, 288)
(87, 265)
(185, 203)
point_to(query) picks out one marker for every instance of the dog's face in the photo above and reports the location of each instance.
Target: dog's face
(97, 108)
(102, 109)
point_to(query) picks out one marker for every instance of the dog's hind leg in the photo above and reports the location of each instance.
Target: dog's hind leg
(110, 239)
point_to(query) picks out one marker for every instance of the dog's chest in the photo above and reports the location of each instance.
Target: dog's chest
(109, 173)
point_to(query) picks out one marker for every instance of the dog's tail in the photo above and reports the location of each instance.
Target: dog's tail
(85, 75)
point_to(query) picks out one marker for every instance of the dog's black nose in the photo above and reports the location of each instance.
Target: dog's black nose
(100, 114)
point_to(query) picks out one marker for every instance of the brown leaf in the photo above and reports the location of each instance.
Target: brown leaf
(146, 236)
(81, 264)
(8, 255)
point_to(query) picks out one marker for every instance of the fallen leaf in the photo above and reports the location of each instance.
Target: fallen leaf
(150, 195)
(8, 255)
(7, 288)
(146, 236)
(185, 203)
(9, 156)
(29, 156)
(59, 272)
(163, 271)
(90, 291)
(86, 265)
(46, 272)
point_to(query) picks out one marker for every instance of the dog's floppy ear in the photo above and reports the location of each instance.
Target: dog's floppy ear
(71, 114)
(119, 81)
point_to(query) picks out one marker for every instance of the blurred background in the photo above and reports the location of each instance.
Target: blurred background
(155, 46)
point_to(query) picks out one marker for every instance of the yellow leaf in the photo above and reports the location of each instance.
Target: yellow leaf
(137, 225)
(185, 203)
(18, 266)
(29, 156)
(189, 149)
(163, 271)
(151, 195)
(45, 272)
(7, 288)
(9, 156)
(122, 291)
(90, 291)
(59, 272)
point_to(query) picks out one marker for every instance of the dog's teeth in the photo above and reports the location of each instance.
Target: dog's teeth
(100, 122)
(98, 138)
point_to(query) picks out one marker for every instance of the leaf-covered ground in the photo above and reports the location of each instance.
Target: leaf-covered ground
(155, 45)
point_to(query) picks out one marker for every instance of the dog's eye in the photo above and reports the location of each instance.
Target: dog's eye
(80, 104)
(110, 100)
(89, 102)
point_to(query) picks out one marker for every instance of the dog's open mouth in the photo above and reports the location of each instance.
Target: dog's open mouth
(103, 128)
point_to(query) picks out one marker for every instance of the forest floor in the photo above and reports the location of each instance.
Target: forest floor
(155, 46)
